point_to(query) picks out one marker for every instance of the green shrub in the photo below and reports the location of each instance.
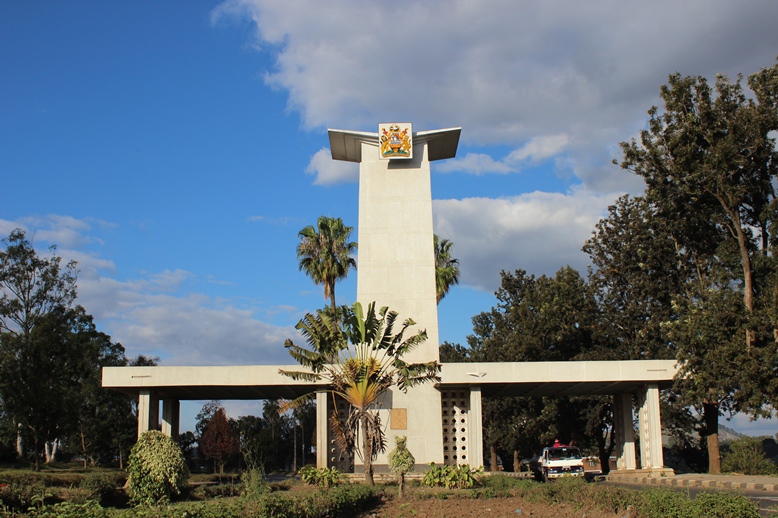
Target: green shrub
(21, 496)
(661, 503)
(89, 509)
(463, 477)
(102, 487)
(747, 456)
(436, 476)
(722, 504)
(156, 469)
(254, 482)
(324, 477)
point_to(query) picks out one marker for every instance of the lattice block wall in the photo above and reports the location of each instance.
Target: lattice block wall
(455, 406)
(337, 458)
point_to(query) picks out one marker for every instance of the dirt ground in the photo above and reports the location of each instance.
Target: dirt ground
(493, 508)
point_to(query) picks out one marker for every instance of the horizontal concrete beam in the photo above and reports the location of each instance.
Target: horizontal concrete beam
(223, 382)
(559, 378)
(495, 379)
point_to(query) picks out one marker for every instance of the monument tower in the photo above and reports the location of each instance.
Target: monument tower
(396, 263)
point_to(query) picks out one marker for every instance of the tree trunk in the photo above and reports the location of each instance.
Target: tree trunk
(493, 452)
(294, 447)
(516, 462)
(37, 452)
(50, 450)
(367, 451)
(401, 486)
(711, 417)
(19, 443)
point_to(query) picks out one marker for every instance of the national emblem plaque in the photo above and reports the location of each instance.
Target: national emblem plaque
(395, 140)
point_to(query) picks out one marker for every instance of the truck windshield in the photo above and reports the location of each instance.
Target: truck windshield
(564, 453)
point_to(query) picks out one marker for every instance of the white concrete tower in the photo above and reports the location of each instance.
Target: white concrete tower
(396, 265)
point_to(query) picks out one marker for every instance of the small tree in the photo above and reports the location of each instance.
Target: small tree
(747, 456)
(219, 442)
(401, 461)
(156, 470)
(360, 373)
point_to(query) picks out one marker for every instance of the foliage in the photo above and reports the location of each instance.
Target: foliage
(459, 477)
(325, 252)
(747, 456)
(156, 469)
(360, 373)
(42, 332)
(324, 477)
(709, 162)
(446, 267)
(219, 442)
(666, 503)
(32, 286)
(463, 477)
(401, 461)
(254, 482)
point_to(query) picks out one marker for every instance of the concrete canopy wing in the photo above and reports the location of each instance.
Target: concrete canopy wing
(347, 145)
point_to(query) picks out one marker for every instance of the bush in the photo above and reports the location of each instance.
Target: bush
(661, 503)
(254, 483)
(156, 469)
(722, 504)
(747, 456)
(324, 477)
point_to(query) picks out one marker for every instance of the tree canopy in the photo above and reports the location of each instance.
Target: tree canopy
(324, 253)
(368, 360)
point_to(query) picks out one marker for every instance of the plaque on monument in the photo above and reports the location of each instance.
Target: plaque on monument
(395, 140)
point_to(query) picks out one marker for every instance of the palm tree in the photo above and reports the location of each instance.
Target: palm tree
(446, 268)
(325, 253)
(361, 373)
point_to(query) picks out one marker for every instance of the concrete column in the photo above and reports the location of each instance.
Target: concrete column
(397, 269)
(475, 435)
(650, 427)
(397, 262)
(322, 431)
(625, 434)
(148, 411)
(171, 417)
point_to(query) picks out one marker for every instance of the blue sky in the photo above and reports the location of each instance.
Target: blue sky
(176, 148)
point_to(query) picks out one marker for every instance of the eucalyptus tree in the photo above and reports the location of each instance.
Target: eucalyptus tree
(325, 253)
(368, 360)
(446, 267)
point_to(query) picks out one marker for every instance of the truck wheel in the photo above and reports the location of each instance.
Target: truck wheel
(545, 475)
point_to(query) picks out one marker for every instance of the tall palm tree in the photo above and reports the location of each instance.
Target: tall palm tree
(325, 252)
(361, 373)
(446, 268)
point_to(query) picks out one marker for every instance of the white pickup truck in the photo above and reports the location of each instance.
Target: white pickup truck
(560, 460)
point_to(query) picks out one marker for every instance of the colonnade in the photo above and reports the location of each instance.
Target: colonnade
(646, 399)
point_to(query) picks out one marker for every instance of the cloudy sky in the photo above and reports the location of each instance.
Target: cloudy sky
(176, 148)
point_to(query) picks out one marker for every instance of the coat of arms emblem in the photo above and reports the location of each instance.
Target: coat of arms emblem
(395, 140)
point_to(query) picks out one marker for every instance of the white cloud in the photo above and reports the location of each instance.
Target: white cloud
(158, 313)
(539, 149)
(474, 163)
(537, 232)
(328, 171)
(508, 72)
